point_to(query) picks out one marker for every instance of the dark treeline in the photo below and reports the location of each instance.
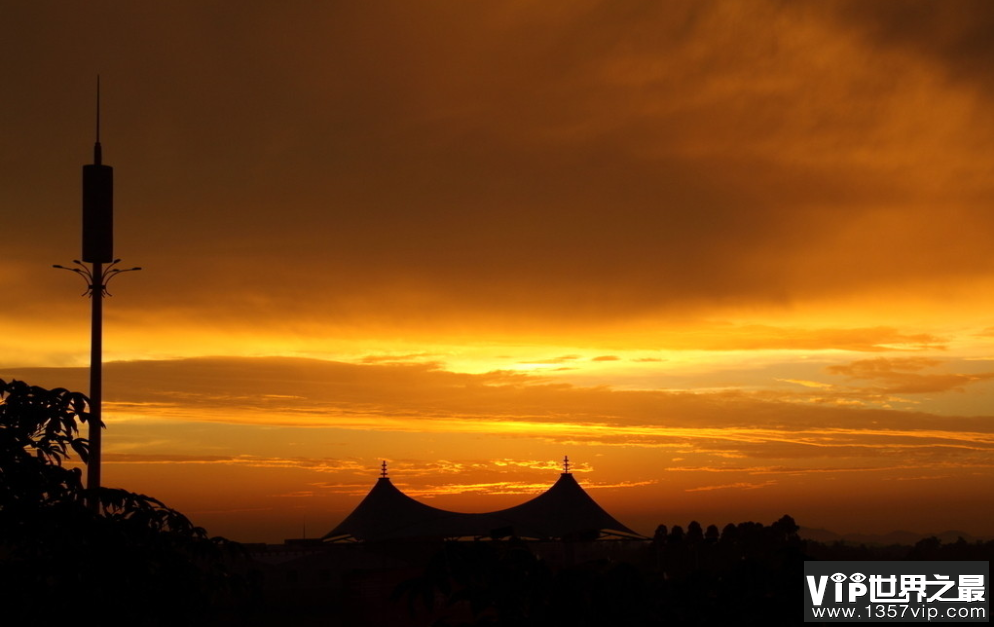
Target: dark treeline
(745, 574)
(926, 550)
(742, 574)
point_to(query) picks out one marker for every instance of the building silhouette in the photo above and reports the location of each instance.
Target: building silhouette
(563, 512)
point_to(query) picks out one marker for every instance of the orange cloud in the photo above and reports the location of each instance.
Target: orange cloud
(250, 461)
(704, 429)
(742, 485)
(902, 375)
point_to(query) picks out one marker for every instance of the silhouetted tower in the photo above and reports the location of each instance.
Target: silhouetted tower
(98, 204)
(98, 249)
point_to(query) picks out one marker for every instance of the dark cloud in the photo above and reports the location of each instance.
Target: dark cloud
(955, 33)
(904, 375)
(317, 393)
(462, 162)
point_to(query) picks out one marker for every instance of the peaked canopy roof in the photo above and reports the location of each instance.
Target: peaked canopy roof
(565, 510)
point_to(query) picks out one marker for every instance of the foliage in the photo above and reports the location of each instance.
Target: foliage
(37, 431)
(61, 556)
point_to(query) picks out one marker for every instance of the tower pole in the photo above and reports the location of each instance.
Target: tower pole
(96, 378)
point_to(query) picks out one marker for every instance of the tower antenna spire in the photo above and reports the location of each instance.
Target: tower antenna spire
(97, 151)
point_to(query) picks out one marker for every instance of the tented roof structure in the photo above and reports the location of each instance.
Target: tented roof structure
(564, 511)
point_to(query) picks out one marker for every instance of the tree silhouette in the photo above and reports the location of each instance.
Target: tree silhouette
(695, 533)
(712, 534)
(64, 550)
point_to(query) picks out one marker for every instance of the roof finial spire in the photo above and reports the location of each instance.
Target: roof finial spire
(383, 469)
(566, 464)
(97, 152)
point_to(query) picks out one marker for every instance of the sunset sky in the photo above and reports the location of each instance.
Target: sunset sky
(733, 258)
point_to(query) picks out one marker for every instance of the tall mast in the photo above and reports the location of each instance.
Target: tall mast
(98, 249)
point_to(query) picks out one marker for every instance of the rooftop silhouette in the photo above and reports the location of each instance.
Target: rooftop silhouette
(564, 511)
